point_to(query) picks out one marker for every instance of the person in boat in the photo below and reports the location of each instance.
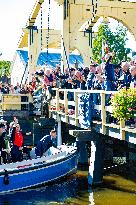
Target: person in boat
(2, 144)
(13, 124)
(45, 143)
(17, 140)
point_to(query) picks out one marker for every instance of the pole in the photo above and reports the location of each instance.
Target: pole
(33, 134)
(92, 161)
(59, 137)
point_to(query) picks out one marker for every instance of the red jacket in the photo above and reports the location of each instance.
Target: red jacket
(18, 140)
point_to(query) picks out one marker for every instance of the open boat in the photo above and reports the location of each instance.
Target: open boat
(30, 173)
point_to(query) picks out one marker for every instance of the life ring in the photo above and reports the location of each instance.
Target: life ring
(6, 177)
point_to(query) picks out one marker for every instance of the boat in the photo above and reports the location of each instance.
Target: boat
(30, 173)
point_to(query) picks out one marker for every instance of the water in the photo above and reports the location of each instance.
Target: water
(115, 190)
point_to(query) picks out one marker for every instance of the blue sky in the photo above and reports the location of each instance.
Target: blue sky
(14, 15)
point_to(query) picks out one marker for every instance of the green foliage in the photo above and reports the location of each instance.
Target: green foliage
(115, 40)
(124, 104)
(5, 68)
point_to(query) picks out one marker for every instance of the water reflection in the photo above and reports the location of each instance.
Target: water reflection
(91, 197)
(75, 191)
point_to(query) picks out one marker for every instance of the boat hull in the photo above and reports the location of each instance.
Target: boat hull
(39, 174)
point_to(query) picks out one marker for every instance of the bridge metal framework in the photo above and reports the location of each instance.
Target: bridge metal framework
(79, 16)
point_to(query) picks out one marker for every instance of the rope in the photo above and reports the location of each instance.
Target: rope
(48, 30)
(41, 27)
(66, 13)
(89, 30)
(65, 52)
(65, 9)
(24, 73)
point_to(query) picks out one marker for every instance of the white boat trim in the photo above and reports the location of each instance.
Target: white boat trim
(32, 162)
(34, 170)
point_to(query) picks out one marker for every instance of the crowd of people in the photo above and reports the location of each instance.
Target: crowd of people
(7, 88)
(105, 76)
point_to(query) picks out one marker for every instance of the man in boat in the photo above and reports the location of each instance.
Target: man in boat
(2, 144)
(45, 143)
(13, 124)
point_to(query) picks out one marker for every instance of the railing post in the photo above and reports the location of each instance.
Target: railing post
(1, 104)
(103, 113)
(122, 132)
(76, 108)
(66, 105)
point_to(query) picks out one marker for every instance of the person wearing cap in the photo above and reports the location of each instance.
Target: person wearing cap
(45, 143)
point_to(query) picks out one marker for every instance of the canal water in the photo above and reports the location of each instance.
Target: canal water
(115, 190)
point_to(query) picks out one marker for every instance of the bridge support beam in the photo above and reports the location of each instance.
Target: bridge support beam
(95, 173)
(83, 154)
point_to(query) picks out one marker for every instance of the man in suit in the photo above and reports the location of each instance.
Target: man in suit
(45, 143)
(109, 82)
(2, 144)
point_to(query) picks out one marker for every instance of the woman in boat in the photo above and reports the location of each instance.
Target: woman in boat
(17, 140)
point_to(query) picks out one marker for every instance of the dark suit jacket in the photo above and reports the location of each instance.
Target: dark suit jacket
(2, 141)
(43, 145)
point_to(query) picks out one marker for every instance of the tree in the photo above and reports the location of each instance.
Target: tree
(5, 68)
(116, 42)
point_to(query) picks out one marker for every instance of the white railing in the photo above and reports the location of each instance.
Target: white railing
(60, 107)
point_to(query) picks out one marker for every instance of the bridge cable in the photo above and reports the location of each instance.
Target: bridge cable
(66, 14)
(24, 73)
(41, 28)
(48, 33)
(89, 29)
